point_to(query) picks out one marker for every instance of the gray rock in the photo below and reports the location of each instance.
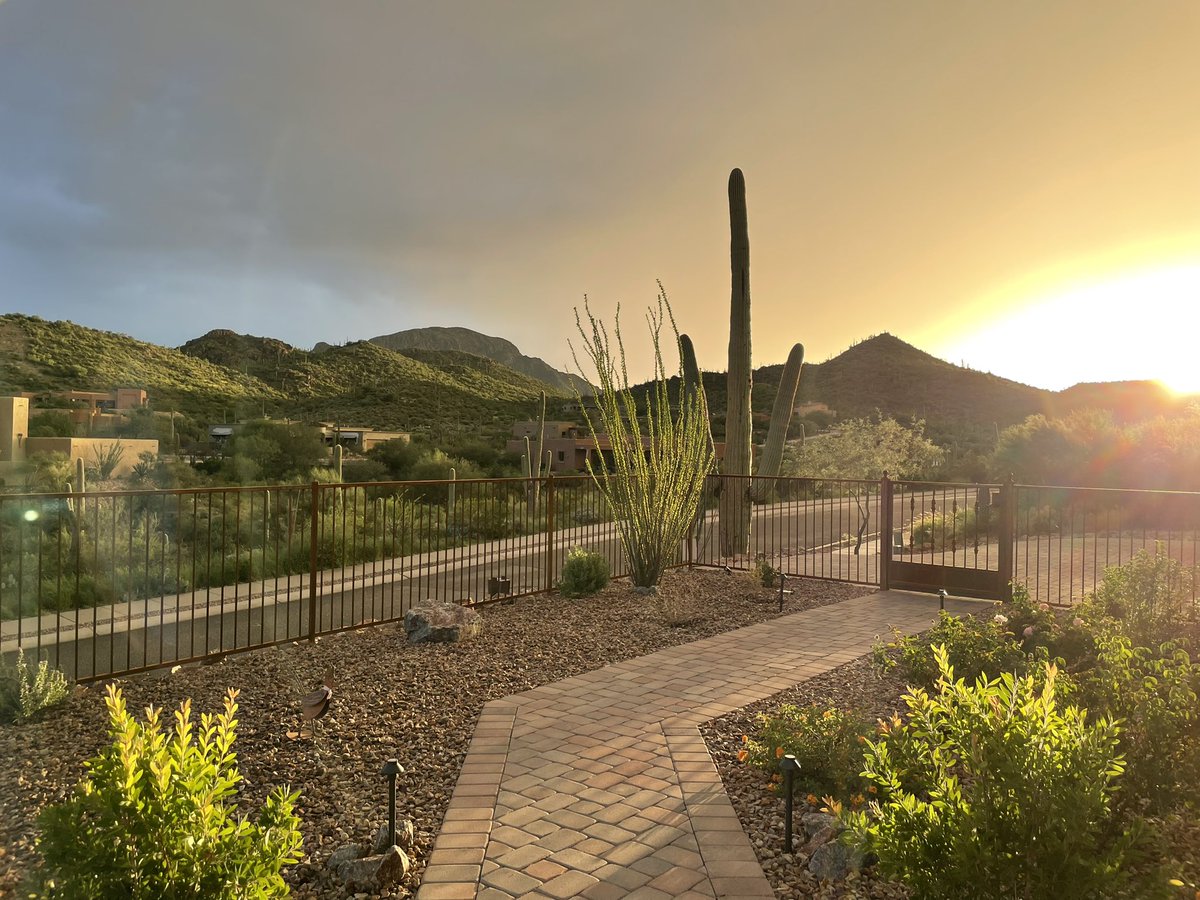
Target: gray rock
(824, 836)
(346, 854)
(436, 621)
(834, 861)
(405, 836)
(375, 873)
(815, 821)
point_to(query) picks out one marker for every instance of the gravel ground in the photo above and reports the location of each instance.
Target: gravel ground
(418, 704)
(851, 686)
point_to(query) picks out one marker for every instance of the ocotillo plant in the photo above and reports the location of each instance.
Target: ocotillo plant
(771, 459)
(735, 499)
(657, 474)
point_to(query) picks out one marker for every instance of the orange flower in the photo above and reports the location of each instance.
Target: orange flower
(745, 738)
(872, 790)
(742, 755)
(772, 788)
(811, 799)
(779, 753)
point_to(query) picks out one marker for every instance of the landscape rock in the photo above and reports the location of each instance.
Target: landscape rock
(406, 836)
(347, 854)
(833, 862)
(824, 836)
(375, 873)
(437, 621)
(815, 821)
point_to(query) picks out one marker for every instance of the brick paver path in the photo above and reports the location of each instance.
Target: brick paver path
(600, 786)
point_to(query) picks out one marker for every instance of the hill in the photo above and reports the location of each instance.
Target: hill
(36, 355)
(884, 373)
(464, 340)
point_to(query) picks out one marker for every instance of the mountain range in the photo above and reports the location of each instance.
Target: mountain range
(444, 378)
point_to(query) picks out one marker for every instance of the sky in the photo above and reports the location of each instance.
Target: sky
(1012, 185)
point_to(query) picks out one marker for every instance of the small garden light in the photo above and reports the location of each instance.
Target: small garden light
(391, 769)
(789, 767)
(942, 595)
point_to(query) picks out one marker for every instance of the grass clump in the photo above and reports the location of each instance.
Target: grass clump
(584, 573)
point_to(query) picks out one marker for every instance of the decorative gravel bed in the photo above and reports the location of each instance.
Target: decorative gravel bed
(418, 704)
(851, 686)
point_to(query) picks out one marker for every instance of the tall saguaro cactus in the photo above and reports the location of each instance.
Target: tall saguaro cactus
(531, 465)
(735, 499)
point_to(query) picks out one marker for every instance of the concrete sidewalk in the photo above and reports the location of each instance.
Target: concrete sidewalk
(600, 786)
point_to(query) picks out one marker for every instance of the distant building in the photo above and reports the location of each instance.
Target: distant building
(16, 446)
(359, 439)
(568, 444)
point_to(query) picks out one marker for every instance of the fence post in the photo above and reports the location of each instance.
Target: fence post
(1008, 516)
(314, 518)
(886, 517)
(550, 532)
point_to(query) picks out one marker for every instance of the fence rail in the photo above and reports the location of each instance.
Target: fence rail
(104, 584)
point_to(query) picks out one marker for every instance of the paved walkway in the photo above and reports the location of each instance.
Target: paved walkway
(600, 786)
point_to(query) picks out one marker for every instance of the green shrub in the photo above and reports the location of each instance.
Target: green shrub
(1151, 596)
(955, 530)
(993, 790)
(975, 647)
(154, 817)
(24, 691)
(1154, 694)
(764, 572)
(583, 574)
(827, 744)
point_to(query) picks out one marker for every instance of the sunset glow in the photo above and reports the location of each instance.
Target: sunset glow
(1135, 325)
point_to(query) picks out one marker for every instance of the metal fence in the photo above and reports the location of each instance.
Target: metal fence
(104, 584)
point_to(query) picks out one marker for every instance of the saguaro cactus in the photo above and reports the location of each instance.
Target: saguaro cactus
(735, 499)
(337, 461)
(781, 418)
(691, 386)
(532, 465)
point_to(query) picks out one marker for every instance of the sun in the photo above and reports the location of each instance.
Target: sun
(1136, 325)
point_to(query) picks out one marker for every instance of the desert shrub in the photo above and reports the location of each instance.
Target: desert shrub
(763, 572)
(827, 744)
(974, 646)
(154, 817)
(584, 573)
(952, 530)
(1150, 596)
(1154, 693)
(26, 691)
(993, 790)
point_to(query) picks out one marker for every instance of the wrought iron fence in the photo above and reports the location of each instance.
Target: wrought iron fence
(103, 584)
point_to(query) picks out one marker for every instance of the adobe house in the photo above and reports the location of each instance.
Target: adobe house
(569, 444)
(16, 446)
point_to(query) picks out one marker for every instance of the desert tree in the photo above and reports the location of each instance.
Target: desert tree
(660, 454)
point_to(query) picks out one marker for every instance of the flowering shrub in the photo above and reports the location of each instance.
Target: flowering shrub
(827, 743)
(993, 790)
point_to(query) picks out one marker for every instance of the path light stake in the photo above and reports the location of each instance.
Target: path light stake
(391, 769)
(942, 595)
(789, 767)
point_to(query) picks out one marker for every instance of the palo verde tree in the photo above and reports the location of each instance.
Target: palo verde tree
(660, 455)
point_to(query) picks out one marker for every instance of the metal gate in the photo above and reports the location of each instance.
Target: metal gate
(952, 537)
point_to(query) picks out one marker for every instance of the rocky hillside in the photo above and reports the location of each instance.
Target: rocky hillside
(464, 340)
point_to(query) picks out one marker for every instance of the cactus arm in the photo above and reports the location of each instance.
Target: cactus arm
(781, 417)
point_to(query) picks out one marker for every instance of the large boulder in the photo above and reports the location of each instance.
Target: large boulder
(834, 861)
(441, 622)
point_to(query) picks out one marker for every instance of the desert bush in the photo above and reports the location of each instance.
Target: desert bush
(974, 646)
(827, 744)
(583, 574)
(953, 530)
(26, 691)
(1153, 693)
(763, 572)
(154, 817)
(993, 790)
(1150, 596)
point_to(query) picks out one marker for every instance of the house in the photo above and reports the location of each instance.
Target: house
(16, 446)
(359, 439)
(568, 444)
